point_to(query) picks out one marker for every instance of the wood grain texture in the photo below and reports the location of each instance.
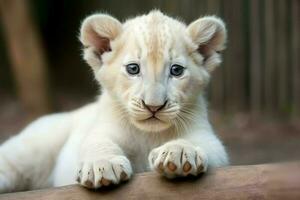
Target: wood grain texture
(269, 181)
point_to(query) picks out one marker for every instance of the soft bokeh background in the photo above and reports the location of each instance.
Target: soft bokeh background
(254, 96)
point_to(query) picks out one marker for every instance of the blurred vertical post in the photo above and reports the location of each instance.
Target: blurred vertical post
(270, 82)
(295, 56)
(255, 58)
(217, 83)
(27, 56)
(235, 57)
(281, 58)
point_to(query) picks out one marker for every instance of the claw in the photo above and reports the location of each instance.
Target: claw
(187, 167)
(89, 184)
(172, 167)
(160, 167)
(123, 176)
(105, 182)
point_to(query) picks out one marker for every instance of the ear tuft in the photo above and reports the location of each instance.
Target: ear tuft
(96, 33)
(209, 34)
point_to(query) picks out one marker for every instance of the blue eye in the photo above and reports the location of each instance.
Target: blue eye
(176, 70)
(133, 69)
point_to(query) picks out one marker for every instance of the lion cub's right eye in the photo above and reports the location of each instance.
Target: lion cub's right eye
(133, 69)
(176, 70)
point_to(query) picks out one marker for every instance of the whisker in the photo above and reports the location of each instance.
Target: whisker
(191, 116)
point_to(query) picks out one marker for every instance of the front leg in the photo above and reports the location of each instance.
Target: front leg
(191, 155)
(102, 163)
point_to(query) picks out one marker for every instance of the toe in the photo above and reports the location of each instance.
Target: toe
(87, 177)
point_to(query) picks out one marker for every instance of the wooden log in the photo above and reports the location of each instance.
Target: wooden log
(269, 181)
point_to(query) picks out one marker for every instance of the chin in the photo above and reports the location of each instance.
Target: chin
(151, 125)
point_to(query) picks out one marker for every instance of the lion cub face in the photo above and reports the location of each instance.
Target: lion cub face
(155, 67)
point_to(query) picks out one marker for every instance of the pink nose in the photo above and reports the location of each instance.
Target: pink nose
(154, 109)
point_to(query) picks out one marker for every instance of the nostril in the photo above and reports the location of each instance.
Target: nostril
(154, 108)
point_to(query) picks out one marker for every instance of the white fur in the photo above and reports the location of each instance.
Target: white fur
(105, 142)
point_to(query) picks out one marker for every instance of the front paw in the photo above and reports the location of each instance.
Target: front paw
(104, 172)
(178, 159)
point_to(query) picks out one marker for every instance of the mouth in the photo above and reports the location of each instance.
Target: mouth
(152, 119)
(152, 123)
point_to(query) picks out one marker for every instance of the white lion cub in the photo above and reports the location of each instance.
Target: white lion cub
(151, 114)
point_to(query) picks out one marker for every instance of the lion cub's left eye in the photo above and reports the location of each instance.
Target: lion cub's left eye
(133, 69)
(176, 70)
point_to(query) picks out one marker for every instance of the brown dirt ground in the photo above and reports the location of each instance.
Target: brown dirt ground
(248, 140)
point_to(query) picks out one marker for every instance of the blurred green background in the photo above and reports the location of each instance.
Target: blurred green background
(255, 91)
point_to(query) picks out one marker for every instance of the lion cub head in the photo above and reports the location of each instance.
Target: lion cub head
(154, 66)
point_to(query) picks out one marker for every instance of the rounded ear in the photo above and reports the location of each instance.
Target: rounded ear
(209, 34)
(96, 33)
